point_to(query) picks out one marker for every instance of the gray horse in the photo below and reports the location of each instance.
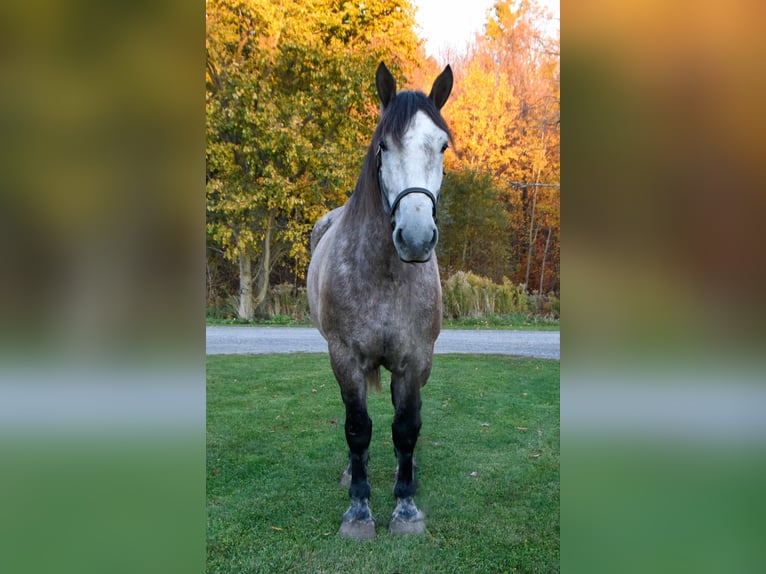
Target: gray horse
(374, 292)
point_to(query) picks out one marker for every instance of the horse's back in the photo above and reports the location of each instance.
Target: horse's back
(316, 269)
(324, 223)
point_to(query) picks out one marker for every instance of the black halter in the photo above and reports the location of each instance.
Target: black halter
(391, 208)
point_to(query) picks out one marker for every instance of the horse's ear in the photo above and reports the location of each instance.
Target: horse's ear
(386, 85)
(442, 87)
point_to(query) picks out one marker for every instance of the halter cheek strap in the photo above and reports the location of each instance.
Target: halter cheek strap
(391, 208)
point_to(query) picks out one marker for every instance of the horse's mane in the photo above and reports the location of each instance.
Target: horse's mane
(394, 121)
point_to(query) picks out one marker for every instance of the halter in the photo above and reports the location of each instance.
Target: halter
(391, 208)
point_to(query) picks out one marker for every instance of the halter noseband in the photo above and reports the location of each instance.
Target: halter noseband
(391, 208)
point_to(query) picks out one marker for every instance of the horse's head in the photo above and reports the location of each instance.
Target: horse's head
(410, 152)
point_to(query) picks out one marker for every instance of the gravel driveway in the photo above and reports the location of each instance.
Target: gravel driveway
(260, 340)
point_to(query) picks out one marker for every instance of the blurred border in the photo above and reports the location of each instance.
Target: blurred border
(663, 274)
(102, 296)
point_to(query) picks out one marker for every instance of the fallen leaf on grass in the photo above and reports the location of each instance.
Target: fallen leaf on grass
(522, 428)
(485, 424)
(277, 528)
(474, 473)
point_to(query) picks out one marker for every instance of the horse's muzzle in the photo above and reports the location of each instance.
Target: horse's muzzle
(415, 245)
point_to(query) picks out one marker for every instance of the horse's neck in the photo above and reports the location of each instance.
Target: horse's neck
(372, 242)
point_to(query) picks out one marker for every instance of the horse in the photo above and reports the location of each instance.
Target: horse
(374, 290)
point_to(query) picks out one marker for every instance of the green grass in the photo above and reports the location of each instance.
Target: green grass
(276, 450)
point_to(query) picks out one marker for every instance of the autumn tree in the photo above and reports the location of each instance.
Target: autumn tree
(524, 48)
(289, 106)
(506, 118)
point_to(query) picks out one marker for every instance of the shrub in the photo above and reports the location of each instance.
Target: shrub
(285, 301)
(467, 295)
(464, 296)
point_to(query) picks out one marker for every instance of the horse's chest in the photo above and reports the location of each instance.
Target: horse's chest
(380, 304)
(389, 311)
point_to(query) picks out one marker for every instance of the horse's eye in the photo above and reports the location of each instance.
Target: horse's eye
(444, 147)
(383, 147)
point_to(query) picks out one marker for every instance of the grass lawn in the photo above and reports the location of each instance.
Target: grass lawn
(488, 458)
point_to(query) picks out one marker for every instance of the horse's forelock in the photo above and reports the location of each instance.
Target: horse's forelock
(398, 115)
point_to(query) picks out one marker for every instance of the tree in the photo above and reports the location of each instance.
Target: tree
(483, 115)
(473, 231)
(516, 37)
(289, 105)
(506, 118)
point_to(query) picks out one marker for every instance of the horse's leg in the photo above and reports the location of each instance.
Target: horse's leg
(358, 521)
(405, 394)
(345, 479)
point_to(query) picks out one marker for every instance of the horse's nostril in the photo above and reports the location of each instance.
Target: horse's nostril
(399, 236)
(435, 238)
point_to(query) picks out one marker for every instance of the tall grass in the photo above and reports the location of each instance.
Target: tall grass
(284, 300)
(464, 296)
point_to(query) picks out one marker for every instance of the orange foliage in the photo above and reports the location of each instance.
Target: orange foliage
(505, 115)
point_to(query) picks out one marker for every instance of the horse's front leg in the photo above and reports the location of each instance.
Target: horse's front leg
(357, 521)
(406, 518)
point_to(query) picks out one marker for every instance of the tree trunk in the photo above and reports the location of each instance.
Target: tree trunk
(465, 248)
(532, 228)
(264, 270)
(545, 253)
(532, 239)
(245, 286)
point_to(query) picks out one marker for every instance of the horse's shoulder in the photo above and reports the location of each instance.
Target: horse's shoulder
(324, 223)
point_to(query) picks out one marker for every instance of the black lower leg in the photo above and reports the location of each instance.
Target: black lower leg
(405, 430)
(358, 434)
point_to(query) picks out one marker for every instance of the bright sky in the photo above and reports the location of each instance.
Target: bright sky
(453, 23)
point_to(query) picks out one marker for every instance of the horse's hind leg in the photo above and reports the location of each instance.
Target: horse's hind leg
(406, 518)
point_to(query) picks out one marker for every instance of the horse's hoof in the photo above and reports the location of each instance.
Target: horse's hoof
(406, 518)
(397, 526)
(357, 529)
(358, 522)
